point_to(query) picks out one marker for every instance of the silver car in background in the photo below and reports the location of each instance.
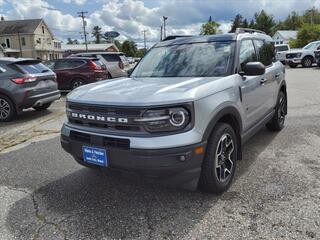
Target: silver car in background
(116, 62)
(281, 51)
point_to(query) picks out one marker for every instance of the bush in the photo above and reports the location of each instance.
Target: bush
(306, 34)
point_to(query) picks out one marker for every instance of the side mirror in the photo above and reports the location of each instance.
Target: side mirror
(254, 69)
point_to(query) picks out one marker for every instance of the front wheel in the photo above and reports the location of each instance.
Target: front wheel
(277, 122)
(219, 164)
(307, 62)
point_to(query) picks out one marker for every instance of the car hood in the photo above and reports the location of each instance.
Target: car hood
(299, 50)
(146, 91)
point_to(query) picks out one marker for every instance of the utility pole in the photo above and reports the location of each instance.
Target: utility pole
(84, 23)
(144, 39)
(312, 12)
(164, 26)
(161, 30)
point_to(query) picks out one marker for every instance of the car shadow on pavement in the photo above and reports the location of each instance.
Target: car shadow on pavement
(27, 115)
(89, 204)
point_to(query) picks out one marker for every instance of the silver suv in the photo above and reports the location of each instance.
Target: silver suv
(116, 62)
(184, 112)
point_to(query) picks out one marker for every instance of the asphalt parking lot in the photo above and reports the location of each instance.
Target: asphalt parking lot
(44, 194)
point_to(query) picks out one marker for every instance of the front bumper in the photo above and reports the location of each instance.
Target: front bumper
(293, 61)
(179, 167)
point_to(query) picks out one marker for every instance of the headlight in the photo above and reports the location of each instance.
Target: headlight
(165, 120)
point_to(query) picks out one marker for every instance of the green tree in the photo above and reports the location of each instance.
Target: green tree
(264, 22)
(118, 45)
(129, 48)
(292, 22)
(311, 16)
(141, 52)
(71, 41)
(306, 34)
(237, 22)
(210, 28)
(96, 33)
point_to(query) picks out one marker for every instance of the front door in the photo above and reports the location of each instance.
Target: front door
(252, 87)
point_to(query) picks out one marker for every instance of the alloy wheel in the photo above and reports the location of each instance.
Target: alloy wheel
(224, 161)
(5, 109)
(77, 83)
(282, 109)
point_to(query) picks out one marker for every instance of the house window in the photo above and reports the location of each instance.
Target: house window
(23, 41)
(42, 29)
(8, 42)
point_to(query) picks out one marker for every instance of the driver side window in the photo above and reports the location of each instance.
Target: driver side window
(247, 53)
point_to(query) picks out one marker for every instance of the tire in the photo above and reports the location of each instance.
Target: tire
(7, 109)
(221, 154)
(307, 62)
(277, 122)
(293, 65)
(77, 83)
(43, 107)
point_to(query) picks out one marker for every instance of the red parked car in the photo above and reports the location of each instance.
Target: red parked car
(74, 72)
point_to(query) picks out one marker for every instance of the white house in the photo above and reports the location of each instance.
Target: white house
(284, 36)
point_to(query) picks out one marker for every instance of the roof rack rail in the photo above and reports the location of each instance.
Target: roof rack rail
(248, 30)
(171, 37)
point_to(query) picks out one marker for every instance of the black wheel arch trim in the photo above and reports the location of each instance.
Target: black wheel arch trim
(227, 110)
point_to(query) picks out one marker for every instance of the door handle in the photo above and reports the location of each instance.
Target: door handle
(263, 81)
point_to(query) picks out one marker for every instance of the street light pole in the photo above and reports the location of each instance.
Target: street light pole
(164, 26)
(82, 15)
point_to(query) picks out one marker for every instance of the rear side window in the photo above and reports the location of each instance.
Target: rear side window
(266, 52)
(71, 63)
(247, 53)
(32, 68)
(111, 57)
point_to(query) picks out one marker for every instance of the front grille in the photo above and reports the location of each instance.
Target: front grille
(290, 56)
(100, 140)
(107, 112)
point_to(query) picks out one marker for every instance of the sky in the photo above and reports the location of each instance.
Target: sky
(131, 17)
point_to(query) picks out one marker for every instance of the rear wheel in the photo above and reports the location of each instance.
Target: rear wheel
(219, 164)
(7, 109)
(77, 83)
(307, 62)
(42, 107)
(277, 122)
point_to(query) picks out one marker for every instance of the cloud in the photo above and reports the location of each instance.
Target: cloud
(131, 17)
(78, 2)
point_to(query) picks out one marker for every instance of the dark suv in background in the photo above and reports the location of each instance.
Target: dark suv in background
(74, 72)
(25, 83)
(317, 57)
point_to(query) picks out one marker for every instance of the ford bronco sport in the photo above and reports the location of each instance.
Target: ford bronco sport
(184, 112)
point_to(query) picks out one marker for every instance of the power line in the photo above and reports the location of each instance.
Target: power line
(84, 23)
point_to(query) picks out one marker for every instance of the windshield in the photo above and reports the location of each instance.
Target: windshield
(282, 48)
(313, 45)
(187, 60)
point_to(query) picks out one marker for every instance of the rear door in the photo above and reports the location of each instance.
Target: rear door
(252, 89)
(67, 69)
